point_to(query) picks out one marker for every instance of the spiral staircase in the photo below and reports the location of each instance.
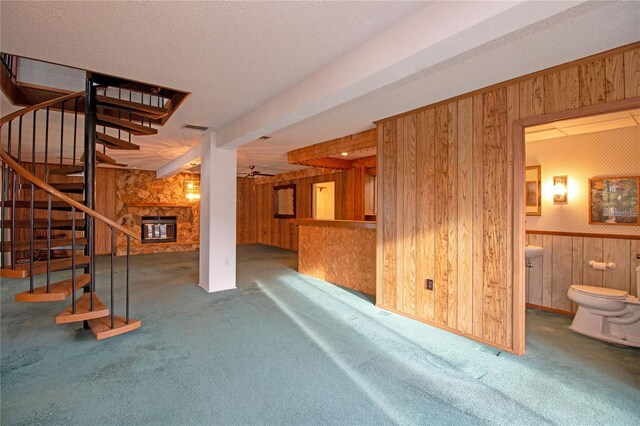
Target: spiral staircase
(49, 220)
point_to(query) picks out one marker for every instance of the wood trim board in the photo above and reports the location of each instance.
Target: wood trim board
(335, 223)
(582, 234)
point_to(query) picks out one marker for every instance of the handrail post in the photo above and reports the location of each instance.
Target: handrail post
(49, 243)
(46, 146)
(127, 280)
(113, 253)
(3, 182)
(32, 229)
(33, 144)
(2, 210)
(89, 176)
(73, 260)
(62, 133)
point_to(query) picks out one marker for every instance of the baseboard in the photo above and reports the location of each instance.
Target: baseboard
(552, 310)
(452, 330)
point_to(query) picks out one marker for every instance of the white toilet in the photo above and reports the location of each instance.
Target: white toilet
(607, 314)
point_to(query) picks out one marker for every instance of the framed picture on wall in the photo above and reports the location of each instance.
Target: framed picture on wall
(284, 201)
(614, 200)
(532, 196)
(532, 193)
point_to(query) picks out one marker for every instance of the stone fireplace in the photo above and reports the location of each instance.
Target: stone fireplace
(157, 210)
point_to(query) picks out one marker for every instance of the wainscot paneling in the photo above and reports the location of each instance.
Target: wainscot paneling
(446, 202)
(565, 261)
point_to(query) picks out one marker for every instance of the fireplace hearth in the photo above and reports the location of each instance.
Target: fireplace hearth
(159, 229)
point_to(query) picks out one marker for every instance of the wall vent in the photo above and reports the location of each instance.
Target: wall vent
(195, 127)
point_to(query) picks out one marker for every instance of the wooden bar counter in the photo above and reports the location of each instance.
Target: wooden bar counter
(342, 252)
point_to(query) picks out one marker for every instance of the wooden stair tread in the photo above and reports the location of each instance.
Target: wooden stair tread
(40, 267)
(58, 291)
(83, 310)
(66, 170)
(115, 143)
(64, 224)
(148, 111)
(127, 126)
(101, 327)
(39, 205)
(13, 273)
(42, 244)
(73, 188)
(105, 159)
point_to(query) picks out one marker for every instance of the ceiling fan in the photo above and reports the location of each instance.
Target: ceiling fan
(253, 173)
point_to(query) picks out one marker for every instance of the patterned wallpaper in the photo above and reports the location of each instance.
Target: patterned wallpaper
(607, 153)
(137, 187)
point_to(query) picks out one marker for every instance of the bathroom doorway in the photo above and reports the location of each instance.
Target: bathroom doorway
(324, 200)
(565, 235)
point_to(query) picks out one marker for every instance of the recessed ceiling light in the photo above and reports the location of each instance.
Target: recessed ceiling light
(264, 138)
(345, 154)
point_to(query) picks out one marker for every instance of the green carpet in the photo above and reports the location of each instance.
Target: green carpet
(285, 348)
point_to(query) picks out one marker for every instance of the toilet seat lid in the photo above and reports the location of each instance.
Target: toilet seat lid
(606, 293)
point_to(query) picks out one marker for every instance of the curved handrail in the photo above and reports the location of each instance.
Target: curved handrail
(51, 190)
(41, 105)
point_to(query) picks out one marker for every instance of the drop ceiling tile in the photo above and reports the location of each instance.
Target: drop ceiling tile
(628, 121)
(591, 119)
(543, 134)
(533, 129)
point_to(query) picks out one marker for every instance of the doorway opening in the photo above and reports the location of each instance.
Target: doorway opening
(574, 223)
(323, 200)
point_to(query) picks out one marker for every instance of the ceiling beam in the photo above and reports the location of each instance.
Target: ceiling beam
(329, 163)
(350, 143)
(182, 163)
(439, 32)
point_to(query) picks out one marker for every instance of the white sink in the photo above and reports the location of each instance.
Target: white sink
(532, 251)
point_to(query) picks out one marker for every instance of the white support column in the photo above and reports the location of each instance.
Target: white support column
(217, 216)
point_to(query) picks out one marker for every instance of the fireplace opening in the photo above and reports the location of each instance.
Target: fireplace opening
(159, 229)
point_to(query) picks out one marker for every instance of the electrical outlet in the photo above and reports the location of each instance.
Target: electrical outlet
(428, 284)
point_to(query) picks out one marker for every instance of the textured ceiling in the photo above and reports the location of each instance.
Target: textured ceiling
(232, 56)
(235, 56)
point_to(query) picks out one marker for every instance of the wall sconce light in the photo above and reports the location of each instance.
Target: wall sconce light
(191, 187)
(559, 189)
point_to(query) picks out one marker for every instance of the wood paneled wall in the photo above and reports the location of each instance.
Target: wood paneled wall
(105, 203)
(446, 195)
(565, 261)
(255, 221)
(246, 212)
